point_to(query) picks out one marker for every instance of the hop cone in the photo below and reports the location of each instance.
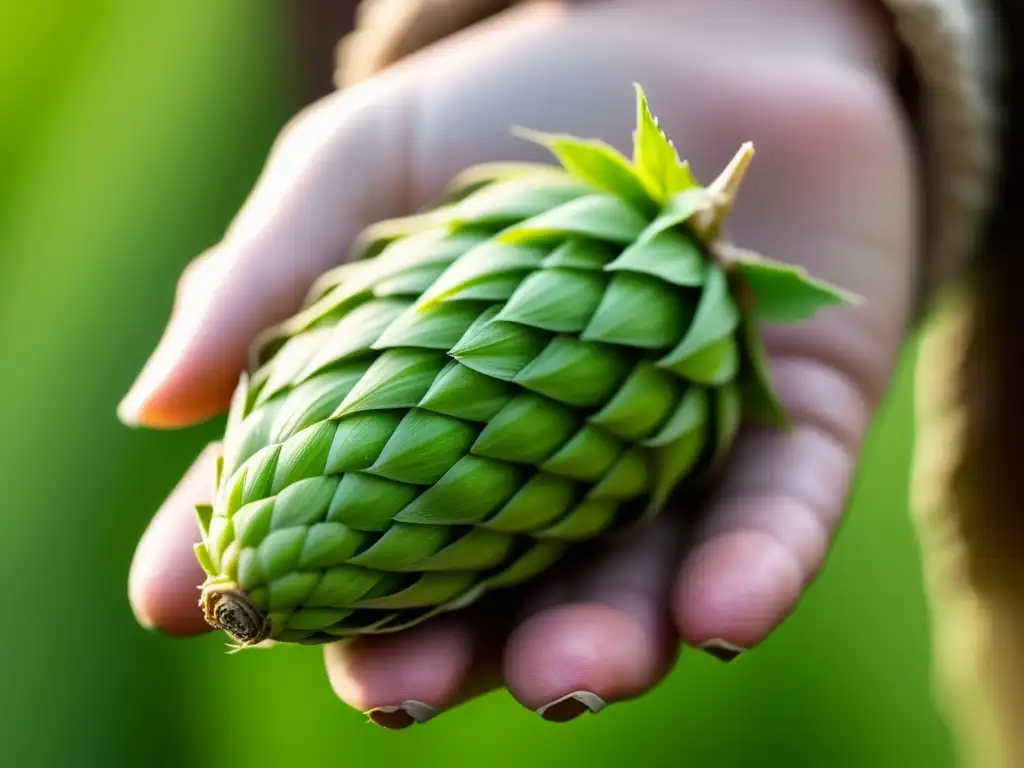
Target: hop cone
(537, 361)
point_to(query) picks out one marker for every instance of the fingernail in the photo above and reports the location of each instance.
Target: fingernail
(571, 706)
(721, 649)
(129, 409)
(407, 713)
(132, 408)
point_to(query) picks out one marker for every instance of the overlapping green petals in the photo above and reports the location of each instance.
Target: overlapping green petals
(542, 358)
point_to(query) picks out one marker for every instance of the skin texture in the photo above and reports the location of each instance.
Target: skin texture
(833, 188)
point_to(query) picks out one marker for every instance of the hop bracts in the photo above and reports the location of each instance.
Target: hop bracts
(537, 361)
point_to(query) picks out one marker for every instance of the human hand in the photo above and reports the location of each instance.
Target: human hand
(832, 189)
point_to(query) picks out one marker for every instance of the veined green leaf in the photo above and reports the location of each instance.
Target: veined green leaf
(203, 556)
(468, 493)
(424, 447)
(595, 163)
(252, 522)
(489, 289)
(527, 430)
(355, 334)
(482, 263)
(291, 360)
(540, 501)
(229, 561)
(534, 561)
(787, 294)
(666, 255)
(290, 591)
(399, 378)
(477, 549)
(680, 208)
(507, 202)
(342, 585)
(641, 311)
(641, 404)
(691, 414)
(430, 589)
(328, 545)
(279, 552)
(221, 534)
(557, 300)
(717, 316)
(674, 461)
(204, 513)
(410, 283)
(334, 305)
(715, 364)
(497, 348)
(303, 503)
(401, 548)
(628, 478)
(359, 439)
(586, 457)
(601, 217)
(579, 253)
(430, 326)
(256, 480)
(303, 455)
(586, 520)
(655, 157)
(313, 400)
(466, 394)
(249, 573)
(368, 503)
(315, 619)
(575, 372)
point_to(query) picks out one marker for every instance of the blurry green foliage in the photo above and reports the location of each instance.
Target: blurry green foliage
(129, 134)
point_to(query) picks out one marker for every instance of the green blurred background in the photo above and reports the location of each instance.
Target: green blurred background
(130, 133)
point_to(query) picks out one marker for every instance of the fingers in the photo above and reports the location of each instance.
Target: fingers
(848, 216)
(769, 528)
(412, 676)
(602, 637)
(163, 585)
(328, 177)
(605, 636)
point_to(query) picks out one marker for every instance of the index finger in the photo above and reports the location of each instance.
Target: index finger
(331, 173)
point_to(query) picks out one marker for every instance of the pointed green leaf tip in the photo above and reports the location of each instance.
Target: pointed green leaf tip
(594, 163)
(655, 157)
(784, 293)
(655, 175)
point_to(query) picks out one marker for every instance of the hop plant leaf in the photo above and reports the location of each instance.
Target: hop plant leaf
(655, 158)
(539, 360)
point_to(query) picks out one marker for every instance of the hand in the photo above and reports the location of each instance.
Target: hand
(832, 188)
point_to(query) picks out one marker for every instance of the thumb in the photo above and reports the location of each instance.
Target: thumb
(332, 171)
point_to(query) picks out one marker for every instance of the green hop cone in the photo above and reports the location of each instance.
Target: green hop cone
(540, 360)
